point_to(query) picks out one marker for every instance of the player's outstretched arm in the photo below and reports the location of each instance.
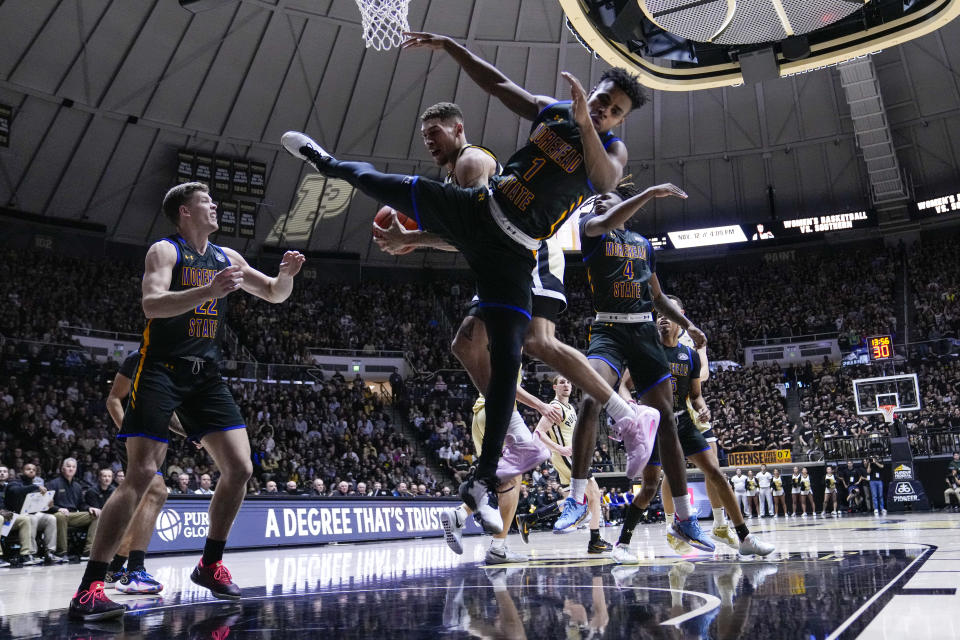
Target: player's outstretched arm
(276, 289)
(617, 216)
(549, 411)
(604, 165)
(541, 432)
(488, 77)
(669, 308)
(159, 302)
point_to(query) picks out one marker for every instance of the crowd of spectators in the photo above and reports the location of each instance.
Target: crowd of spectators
(850, 293)
(333, 430)
(732, 301)
(748, 409)
(54, 404)
(935, 284)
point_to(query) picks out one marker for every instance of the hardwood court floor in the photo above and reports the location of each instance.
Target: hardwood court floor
(869, 577)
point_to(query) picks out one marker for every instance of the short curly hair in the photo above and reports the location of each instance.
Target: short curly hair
(442, 111)
(628, 83)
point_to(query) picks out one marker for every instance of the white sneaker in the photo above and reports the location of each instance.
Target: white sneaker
(836, 514)
(452, 525)
(622, 555)
(875, 512)
(302, 146)
(476, 494)
(503, 555)
(754, 546)
(884, 511)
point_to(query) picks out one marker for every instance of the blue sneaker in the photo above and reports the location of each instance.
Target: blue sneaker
(573, 514)
(139, 581)
(689, 531)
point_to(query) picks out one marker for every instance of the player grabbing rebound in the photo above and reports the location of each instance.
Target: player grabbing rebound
(472, 166)
(558, 436)
(569, 154)
(185, 286)
(621, 269)
(685, 381)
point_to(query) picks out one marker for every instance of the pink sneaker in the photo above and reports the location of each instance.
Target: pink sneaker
(638, 434)
(521, 457)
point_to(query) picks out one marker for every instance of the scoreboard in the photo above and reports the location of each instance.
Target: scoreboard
(880, 348)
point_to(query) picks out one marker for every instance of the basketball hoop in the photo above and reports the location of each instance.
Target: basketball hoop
(384, 22)
(887, 411)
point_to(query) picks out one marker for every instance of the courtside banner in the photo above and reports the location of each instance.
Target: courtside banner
(748, 458)
(182, 524)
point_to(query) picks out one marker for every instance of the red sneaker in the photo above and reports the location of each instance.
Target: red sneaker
(93, 604)
(217, 578)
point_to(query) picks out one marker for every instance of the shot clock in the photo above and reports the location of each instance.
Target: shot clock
(880, 348)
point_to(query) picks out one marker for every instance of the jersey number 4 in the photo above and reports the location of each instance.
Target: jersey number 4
(628, 270)
(208, 308)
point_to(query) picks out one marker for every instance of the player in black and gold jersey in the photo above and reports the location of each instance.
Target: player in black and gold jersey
(570, 154)
(684, 364)
(185, 286)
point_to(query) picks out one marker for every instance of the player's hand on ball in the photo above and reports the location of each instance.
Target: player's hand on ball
(552, 413)
(704, 415)
(579, 98)
(666, 191)
(420, 39)
(699, 339)
(291, 263)
(394, 238)
(226, 281)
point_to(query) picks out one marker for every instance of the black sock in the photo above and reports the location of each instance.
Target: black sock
(742, 531)
(117, 563)
(594, 535)
(630, 521)
(95, 572)
(136, 560)
(213, 551)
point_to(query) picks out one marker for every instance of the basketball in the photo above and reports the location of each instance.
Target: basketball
(383, 219)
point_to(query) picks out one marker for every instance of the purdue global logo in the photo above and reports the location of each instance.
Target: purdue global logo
(168, 525)
(189, 524)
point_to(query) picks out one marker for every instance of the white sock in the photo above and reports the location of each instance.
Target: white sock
(498, 543)
(462, 514)
(681, 505)
(719, 519)
(578, 487)
(617, 407)
(518, 429)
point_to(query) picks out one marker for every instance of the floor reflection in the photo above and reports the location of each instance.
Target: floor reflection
(364, 593)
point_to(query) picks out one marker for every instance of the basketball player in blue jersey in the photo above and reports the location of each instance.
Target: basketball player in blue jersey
(186, 282)
(621, 270)
(684, 366)
(570, 154)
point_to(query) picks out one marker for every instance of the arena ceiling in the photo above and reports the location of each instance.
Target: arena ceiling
(105, 93)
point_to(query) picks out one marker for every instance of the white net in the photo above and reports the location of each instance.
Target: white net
(888, 412)
(384, 22)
